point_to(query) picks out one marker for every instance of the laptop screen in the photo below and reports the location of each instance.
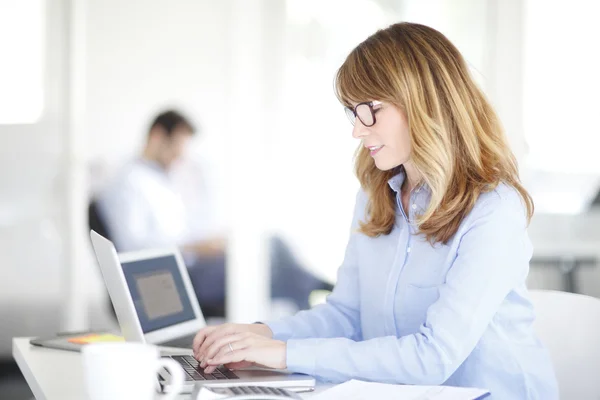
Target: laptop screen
(158, 292)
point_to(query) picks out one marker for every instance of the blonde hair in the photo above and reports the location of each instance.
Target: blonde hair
(458, 144)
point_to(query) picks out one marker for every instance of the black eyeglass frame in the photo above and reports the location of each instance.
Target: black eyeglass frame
(354, 114)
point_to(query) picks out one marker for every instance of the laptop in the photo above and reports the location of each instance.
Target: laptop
(155, 303)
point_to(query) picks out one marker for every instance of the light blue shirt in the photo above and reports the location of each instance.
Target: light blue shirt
(404, 311)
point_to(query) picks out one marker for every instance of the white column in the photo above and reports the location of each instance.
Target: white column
(504, 67)
(254, 24)
(74, 291)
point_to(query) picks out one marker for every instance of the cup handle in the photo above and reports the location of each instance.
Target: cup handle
(176, 381)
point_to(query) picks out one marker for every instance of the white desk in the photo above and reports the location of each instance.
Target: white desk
(57, 374)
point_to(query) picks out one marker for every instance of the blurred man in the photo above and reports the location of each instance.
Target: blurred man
(143, 208)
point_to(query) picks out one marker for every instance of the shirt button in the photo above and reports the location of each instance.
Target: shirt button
(408, 250)
(414, 206)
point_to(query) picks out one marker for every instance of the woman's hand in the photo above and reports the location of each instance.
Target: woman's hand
(206, 337)
(244, 349)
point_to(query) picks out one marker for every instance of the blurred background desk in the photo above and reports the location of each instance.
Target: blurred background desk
(566, 251)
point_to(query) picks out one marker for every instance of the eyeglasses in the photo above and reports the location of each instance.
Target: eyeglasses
(364, 111)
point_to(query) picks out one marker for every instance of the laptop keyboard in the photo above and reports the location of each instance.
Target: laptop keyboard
(194, 372)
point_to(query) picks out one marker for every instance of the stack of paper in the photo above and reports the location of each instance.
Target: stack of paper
(359, 390)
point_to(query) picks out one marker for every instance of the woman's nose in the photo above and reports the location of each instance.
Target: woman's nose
(359, 130)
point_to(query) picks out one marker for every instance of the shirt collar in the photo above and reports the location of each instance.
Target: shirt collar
(153, 165)
(396, 181)
(154, 168)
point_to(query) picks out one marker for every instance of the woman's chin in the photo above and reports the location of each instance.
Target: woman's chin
(385, 166)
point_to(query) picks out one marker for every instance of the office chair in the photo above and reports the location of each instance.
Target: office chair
(569, 326)
(95, 221)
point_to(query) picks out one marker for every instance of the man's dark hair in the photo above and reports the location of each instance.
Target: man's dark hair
(171, 120)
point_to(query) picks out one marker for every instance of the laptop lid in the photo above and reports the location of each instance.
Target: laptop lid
(151, 292)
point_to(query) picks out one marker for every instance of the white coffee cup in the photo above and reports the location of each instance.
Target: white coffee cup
(127, 371)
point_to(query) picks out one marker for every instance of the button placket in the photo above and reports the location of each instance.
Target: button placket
(412, 212)
(399, 263)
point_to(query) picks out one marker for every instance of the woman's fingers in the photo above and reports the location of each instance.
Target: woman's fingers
(218, 332)
(200, 337)
(242, 343)
(247, 347)
(222, 342)
(235, 357)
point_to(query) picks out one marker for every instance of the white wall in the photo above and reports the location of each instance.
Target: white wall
(143, 56)
(146, 55)
(33, 218)
(562, 85)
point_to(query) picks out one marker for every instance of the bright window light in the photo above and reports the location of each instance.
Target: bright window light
(21, 69)
(561, 85)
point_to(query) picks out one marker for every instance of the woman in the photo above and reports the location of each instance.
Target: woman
(432, 287)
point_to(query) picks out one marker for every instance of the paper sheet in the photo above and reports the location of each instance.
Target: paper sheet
(359, 390)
